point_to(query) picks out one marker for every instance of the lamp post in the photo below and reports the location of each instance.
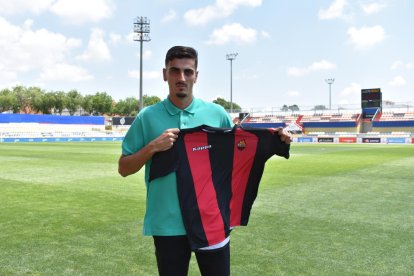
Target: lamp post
(330, 82)
(231, 57)
(141, 30)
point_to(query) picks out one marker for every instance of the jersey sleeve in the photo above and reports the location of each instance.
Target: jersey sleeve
(278, 147)
(164, 162)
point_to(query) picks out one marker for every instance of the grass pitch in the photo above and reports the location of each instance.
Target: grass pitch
(329, 210)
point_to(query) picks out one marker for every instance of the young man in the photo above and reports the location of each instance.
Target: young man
(155, 129)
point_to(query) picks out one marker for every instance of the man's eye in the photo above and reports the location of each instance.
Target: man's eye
(188, 72)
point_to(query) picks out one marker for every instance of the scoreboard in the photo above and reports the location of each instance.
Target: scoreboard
(371, 98)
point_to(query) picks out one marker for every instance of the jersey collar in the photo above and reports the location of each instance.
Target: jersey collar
(173, 110)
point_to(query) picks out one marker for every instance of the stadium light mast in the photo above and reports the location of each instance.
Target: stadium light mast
(231, 57)
(330, 82)
(141, 31)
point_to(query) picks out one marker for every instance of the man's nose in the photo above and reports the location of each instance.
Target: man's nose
(181, 76)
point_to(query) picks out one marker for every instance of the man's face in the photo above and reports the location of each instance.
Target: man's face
(181, 75)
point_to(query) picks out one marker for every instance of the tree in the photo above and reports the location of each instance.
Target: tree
(126, 107)
(44, 102)
(86, 104)
(294, 107)
(319, 107)
(226, 104)
(23, 98)
(60, 101)
(284, 108)
(34, 95)
(8, 101)
(150, 100)
(73, 101)
(101, 103)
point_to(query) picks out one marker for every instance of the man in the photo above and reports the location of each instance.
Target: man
(156, 129)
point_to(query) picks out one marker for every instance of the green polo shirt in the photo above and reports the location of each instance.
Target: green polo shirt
(163, 215)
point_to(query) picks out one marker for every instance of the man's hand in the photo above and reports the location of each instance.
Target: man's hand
(166, 140)
(284, 135)
(130, 164)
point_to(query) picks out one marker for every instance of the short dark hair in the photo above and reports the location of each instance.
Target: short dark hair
(181, 52)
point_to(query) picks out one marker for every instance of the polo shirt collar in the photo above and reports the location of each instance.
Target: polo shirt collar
(173, 110)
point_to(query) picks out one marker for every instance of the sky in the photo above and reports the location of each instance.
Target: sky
(286, 49)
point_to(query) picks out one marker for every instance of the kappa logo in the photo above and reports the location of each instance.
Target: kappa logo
(202, 148)
(241, 145)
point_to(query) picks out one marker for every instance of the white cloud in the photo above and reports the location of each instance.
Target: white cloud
(322, 65)
(265, 34)
(24, 6)
(372, 8)
(220, 9)
(77, 12)
(23, 49)
(129, 38)
(169, 16)
(97, 49)
(147, 54)
(350, 94)
(366, 37)
(335, 10)
(293, 93)
(7, 77)
(397, 81)
(353, 90)
(65, 72)
(401, 65)
(232, 33)
(397, 64)
(146, 74)
(114, 38)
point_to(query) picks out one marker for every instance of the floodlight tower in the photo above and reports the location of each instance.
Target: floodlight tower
(141, 31)
(330, 82)
(231, 57)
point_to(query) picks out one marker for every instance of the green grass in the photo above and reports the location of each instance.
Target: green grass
(329, 210)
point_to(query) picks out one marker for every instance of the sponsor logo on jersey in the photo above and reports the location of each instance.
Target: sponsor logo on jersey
(202, 148)
(241, 145)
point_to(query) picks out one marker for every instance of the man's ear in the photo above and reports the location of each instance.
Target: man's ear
(195, 80)
(164, 74)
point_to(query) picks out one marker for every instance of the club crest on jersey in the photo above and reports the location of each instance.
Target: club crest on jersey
(241, 145)
(202, 148)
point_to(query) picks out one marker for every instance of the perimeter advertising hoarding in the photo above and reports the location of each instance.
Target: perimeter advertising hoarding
(325, 139)
(371, 140)
(396, 140)
(305, 139)
(347, 139)
(72, 139)
(122, 121)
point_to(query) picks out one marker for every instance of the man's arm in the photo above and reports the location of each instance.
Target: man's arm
(130, 164)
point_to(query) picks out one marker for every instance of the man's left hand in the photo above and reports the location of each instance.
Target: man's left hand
(284, 135)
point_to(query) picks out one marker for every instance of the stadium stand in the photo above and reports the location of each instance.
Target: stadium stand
(347, 126)
(34, 128)
(391, 122)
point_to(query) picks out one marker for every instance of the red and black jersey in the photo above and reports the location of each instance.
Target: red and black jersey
(218, 173)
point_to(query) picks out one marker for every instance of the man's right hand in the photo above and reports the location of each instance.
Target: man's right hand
(130, 164)
(166, 140)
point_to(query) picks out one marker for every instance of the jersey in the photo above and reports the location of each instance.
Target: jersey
(218, 173)
(163, 214)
